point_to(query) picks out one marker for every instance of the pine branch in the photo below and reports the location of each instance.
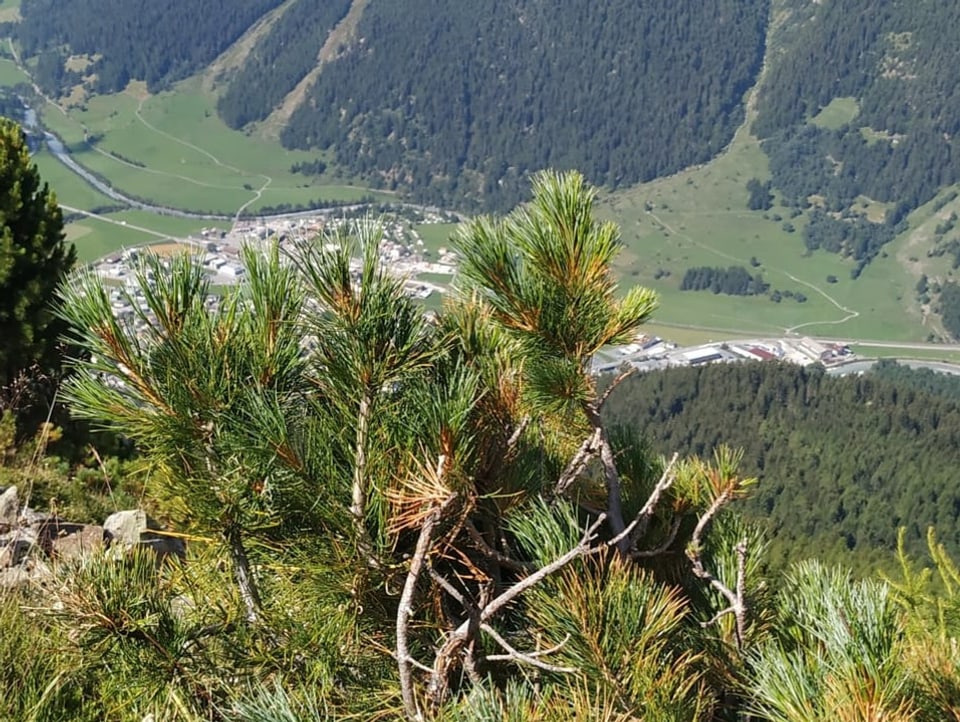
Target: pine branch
(623, 376)
(638, 527)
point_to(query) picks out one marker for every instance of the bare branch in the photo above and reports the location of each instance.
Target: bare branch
(614, 496)
(708, 515)
(405, 608)
(734, 598)
(740, 613)
(517, 656)
(517, 433)
(460, 637)
(737, 609)
(585, 454)
(717, 617)
(539, 653)
(611, 476)
(582, 549)
(419, 665)
(405, 611)
(445, 584)
(638, 527)
(624, 375)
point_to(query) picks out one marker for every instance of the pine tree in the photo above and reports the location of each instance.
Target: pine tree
(34, 257)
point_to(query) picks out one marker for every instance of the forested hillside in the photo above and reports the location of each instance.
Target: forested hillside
(279, 60)
(459, 102)
(884, 72)
(159, 41)
(842, 461)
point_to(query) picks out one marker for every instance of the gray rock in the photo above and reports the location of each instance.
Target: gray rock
(75, 541)
(134, 528)
(9, 508)
(126, 527)
(31, 517)
(31, 572)
(16, 546)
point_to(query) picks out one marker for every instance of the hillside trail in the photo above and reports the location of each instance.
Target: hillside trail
(741, 138)
(257, 194)
(850, 313)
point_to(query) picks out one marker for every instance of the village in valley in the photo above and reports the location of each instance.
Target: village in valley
(403, 251)
(426, 273)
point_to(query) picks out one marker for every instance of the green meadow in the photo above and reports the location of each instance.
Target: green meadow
(173, 150)
(932, 354)
(435, 235)
(837, 113)
(699, 218)
(70, 188)
(10, 74)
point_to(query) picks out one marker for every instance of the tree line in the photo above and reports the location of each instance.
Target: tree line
(733, 281)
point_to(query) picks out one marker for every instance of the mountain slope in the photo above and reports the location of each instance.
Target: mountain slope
(455, 102)
(280, 59)
(860, 101)
(160, 41)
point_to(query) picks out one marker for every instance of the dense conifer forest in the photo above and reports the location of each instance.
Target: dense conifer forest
(159, 42)
(286, 53)
(842, 461)
(458, 104)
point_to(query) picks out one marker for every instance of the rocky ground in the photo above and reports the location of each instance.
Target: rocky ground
(32, 543)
